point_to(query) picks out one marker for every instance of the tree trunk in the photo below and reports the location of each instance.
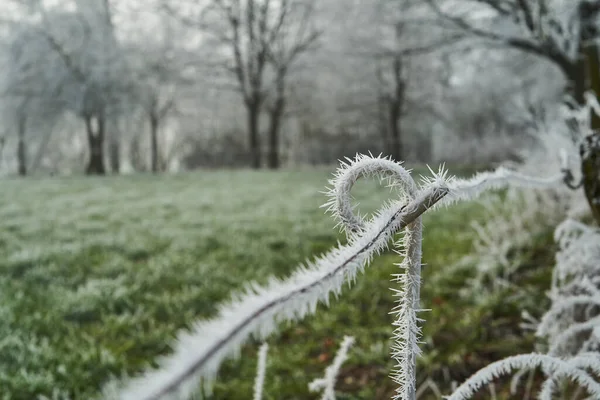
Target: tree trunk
(585, 75)
(135, 154)
(592, 63)
(382, 125)
(154, 143)
(582, 76)
(396, 150)
(396, 103)
(22, 147)
(96, 146)
(39, 154)
(382, 120)
(115, 155)
(276, 114)
(590, 150)
(2, 143)
(275, 123)
(253, 110)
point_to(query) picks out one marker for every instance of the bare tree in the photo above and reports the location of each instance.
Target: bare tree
(25, 107)
(263, 38)
(564, 32)
(561, 33)
(392, 80)
(392, 39)
(158, 68)
(392, 100)
(157, 100)
(73, 65)
(72, 61)
(111, 48)
(283, 51)
(16, 117)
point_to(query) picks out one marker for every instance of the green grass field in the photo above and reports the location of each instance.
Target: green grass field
(97, 274)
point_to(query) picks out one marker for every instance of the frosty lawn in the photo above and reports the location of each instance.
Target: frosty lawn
(98, 274)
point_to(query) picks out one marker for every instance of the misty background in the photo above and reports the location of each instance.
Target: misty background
(106, 86)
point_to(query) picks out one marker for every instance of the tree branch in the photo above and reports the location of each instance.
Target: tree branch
(547, 49)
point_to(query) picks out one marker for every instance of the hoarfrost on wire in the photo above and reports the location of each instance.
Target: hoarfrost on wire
(256, 311)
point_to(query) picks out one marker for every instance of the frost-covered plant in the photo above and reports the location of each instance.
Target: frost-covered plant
(256, 311)
(571, 326)
(327, 383)
(511, 222)
(556, 368)
(513, 219)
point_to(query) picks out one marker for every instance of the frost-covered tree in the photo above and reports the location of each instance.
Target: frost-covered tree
(565, 33)
(71, 57)
(392, 39)
(298, 35)
(28, 106)
(157, 65)
(256, 44)
(24, 115)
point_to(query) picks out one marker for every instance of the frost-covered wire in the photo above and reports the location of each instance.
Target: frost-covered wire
(256, 311)
(407, 332)
(198, 354)
(468, 189)
(339, 203)
(327, 383)
(261, 369)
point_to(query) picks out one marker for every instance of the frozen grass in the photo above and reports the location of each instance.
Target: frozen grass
(98, 274)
